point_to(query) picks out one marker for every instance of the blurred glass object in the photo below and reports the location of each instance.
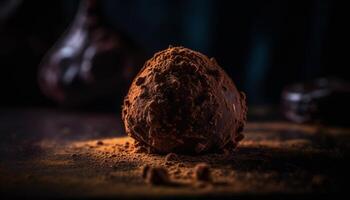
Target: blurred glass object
(91, 63)
(323, 100)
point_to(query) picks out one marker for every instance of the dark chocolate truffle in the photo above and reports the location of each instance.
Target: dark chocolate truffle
(183, 102)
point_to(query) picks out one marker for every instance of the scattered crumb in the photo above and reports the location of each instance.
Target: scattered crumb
(202, 172)
(127, 145)
(145, 170)
(171, 157)
(157, 176)
(99, 142)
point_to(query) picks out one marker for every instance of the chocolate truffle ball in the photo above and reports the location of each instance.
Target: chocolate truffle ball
(181, 101)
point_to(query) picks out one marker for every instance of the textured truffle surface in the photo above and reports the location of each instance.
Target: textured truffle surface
(182, 101)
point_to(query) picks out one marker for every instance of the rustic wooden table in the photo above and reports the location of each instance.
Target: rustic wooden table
(51, 153)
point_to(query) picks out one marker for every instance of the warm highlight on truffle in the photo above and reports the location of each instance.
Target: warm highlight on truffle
(183, 102)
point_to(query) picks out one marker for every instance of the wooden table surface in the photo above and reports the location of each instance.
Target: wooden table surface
(38, 148)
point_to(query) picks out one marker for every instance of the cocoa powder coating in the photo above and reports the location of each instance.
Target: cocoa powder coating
(181, 101)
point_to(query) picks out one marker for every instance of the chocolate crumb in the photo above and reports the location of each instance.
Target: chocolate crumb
(171, 157)
(145, 170)
(156, 175)
(202, 172)
(126, 145)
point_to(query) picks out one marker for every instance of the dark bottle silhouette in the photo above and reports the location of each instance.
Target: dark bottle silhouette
(91, 64)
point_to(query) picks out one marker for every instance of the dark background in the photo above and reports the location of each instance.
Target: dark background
(263, 45)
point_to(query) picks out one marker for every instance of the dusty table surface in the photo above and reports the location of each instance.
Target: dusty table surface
(49, 153)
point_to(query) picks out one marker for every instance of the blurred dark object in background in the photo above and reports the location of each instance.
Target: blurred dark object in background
(91, 64)
(263, 45)
(323, 101)
(26, 32)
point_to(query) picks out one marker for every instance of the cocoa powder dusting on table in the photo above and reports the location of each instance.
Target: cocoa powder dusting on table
(265, 162)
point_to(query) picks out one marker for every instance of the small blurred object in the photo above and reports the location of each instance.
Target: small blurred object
(324, 100)
(91, 63)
